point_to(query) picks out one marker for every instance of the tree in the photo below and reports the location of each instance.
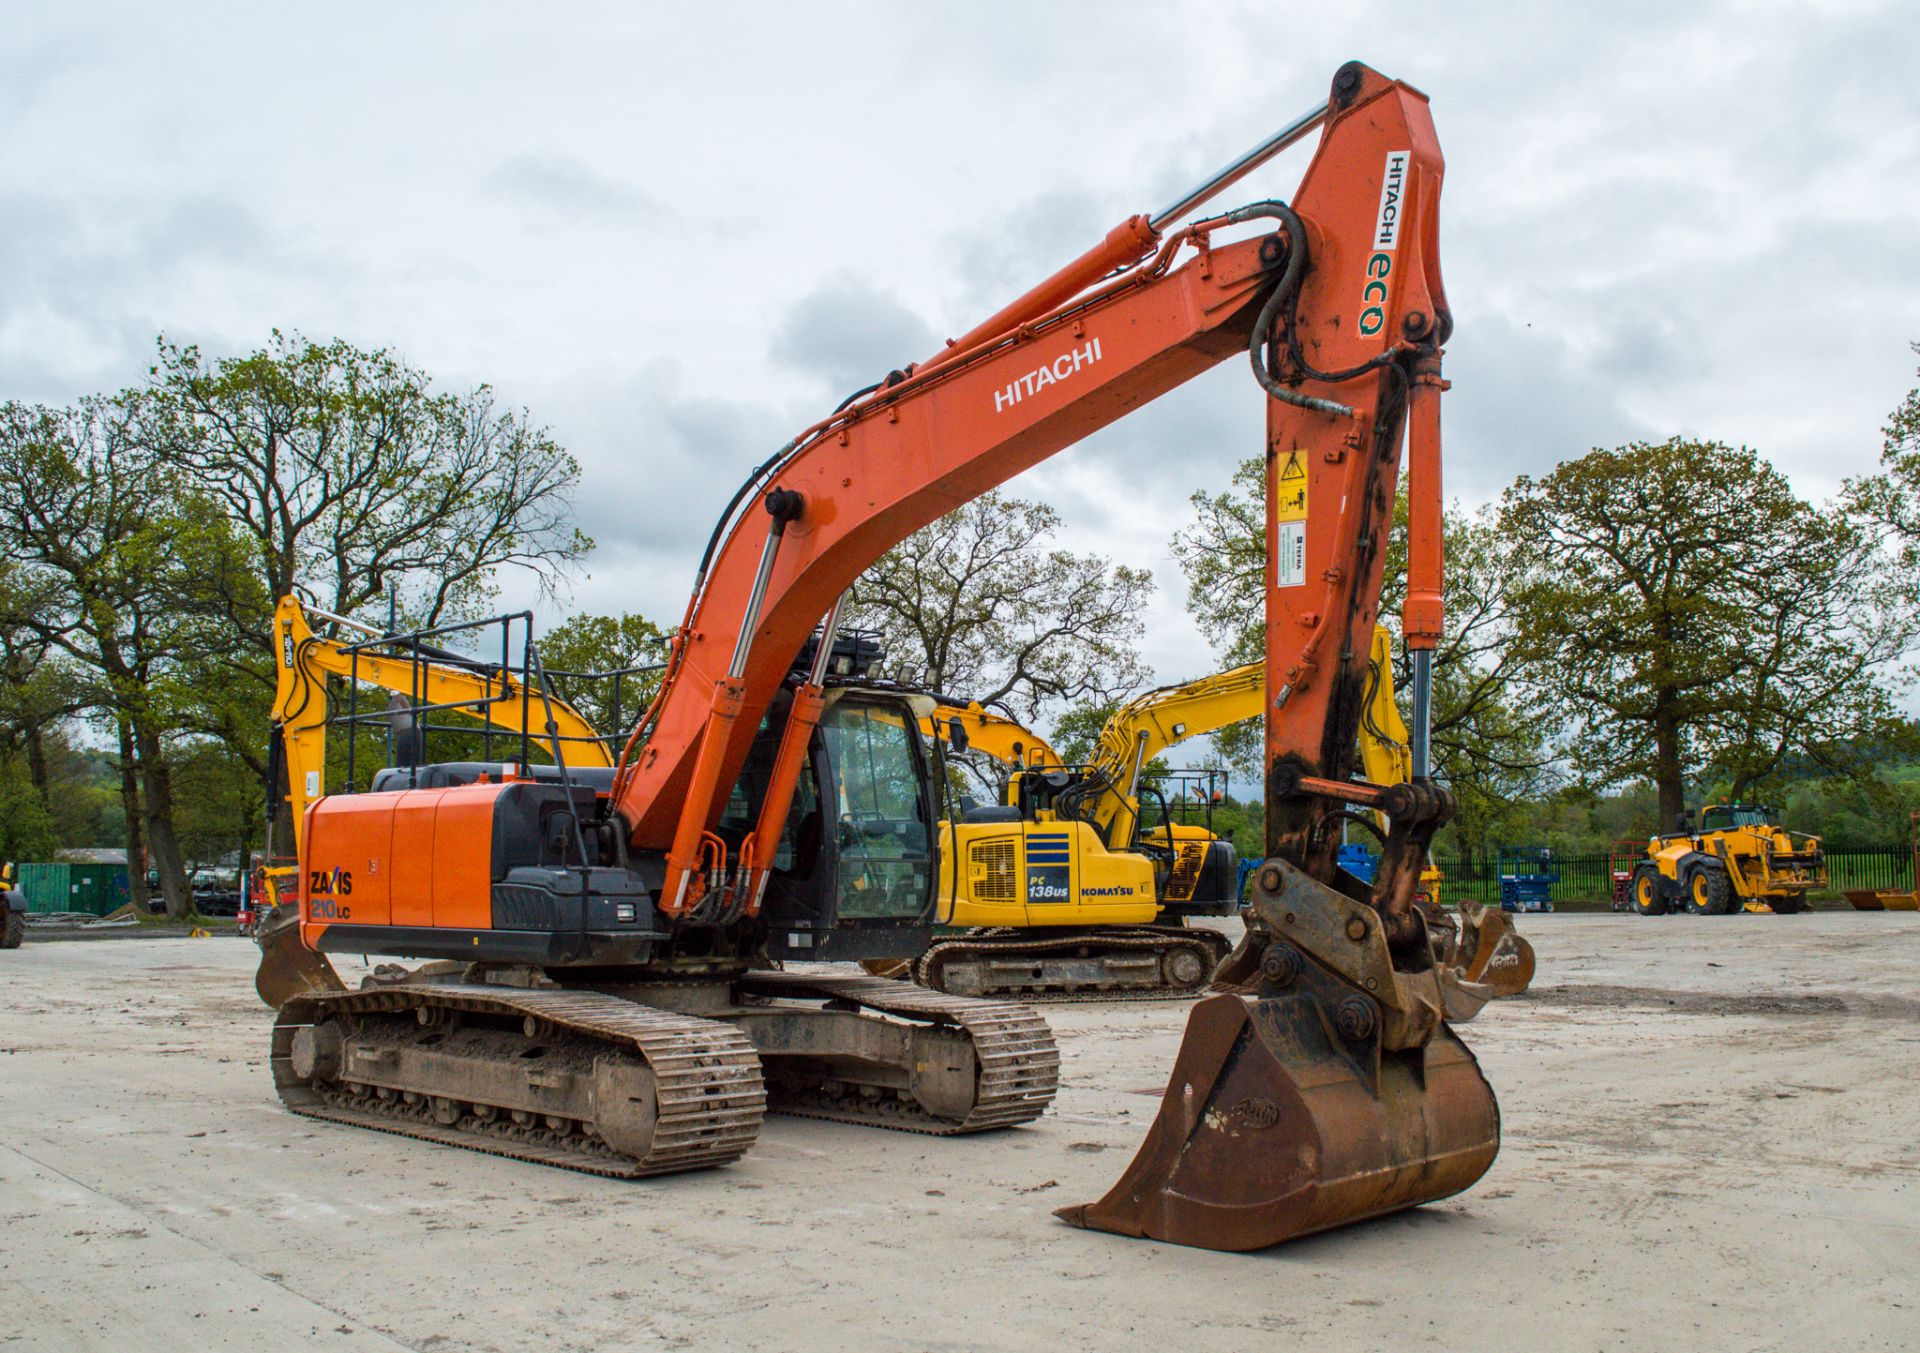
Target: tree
(978, 606)
(1684, 614)
(1485, 737)
(353, 481)
(585, 654)
(124, 565)
(1890, 500)
(26, 825)
(38, 688)
(351, 476)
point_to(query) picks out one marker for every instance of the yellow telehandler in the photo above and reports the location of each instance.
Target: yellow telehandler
(1739, 858)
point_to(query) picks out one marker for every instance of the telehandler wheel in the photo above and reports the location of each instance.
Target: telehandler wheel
(13, 930)
(1709, 893)
(1648, 899)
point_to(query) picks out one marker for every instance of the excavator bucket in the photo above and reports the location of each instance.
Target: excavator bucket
(287, 967)
(1884, 899)
(1493, 953)
(1327, 1093)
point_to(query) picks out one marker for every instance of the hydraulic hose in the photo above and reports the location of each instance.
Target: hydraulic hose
(1283, 293)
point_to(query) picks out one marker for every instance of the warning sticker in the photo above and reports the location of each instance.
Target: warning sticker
(1290, 490)
(1290, 511)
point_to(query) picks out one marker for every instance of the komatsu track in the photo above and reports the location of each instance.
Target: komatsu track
(1097, 963)
(596, 1081)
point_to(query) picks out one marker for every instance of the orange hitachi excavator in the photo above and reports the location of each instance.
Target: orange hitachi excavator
(608, 997)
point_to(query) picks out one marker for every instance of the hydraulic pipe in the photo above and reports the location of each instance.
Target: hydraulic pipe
(789, 764)
(1132, 239)
(1239, 168)
(1424, 615)
(683, 857)
(783, 505)
(1421, 727)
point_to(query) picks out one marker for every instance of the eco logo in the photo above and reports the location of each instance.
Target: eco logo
(1386, 239)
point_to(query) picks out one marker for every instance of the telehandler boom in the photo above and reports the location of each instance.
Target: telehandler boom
(615, 1011)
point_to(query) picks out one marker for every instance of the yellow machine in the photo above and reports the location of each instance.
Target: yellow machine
(1739, 858)
(971, 727)
(13, 911)
(1047, 856)
(429, 680)
(1070, 852)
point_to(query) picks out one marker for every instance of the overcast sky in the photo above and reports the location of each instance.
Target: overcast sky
(679, 233)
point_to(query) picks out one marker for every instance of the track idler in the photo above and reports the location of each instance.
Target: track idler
(1327, 1090)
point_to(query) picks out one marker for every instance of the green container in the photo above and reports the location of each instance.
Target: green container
(92, 888)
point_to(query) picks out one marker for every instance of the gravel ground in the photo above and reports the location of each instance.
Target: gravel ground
(1709, 1143)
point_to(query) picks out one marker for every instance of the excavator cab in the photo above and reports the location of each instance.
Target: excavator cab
(855, 865)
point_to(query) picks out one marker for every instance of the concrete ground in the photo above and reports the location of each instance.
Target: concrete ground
(1710, 1142)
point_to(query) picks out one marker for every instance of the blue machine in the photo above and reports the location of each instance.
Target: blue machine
(1527, 876)
(1357, 860)
(1246, 872)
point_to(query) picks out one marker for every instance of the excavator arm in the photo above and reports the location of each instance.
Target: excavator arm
(1149, 309)
(1149, 724)
(995, 735)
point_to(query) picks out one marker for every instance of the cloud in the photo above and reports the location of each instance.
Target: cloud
(848, 334)
(563, 184)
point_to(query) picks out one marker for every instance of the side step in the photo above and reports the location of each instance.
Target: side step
(1104, 963)
(886, 1054)
(576, 1079)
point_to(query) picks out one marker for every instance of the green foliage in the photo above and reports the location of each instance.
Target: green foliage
(584, 652)
(1684, 616)
(27, 829)
(145, 537)
(978, 606)
(350, 476)
(1076, 733)
(1891, 498)
(1486, 733)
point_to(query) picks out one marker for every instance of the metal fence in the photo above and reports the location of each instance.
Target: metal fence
(1587, 880)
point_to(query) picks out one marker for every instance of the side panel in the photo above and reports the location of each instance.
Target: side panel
(347, 862)
(463, 857)
(1111, 887)
(413, 857)
(1045, 874)
(986, 859)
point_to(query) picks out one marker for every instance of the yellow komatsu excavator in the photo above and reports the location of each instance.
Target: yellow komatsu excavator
(1064, 888)
(1043, 902)
(422, 679)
